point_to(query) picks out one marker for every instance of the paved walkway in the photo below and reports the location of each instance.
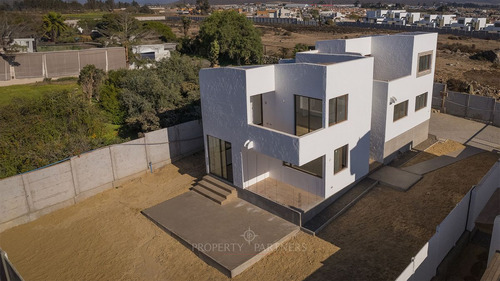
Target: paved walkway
(230, 237)
(465, 131)
(442, 161)
(396, 178)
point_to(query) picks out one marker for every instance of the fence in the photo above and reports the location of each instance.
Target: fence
(476, 34)
(27, 196)
(462, 218)
(484, 109)
(60, 63)
(256, 20)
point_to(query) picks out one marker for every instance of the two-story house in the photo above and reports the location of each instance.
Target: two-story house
(313, 124)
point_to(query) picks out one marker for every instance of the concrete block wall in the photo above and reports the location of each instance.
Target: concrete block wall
(485, 109)
(28, 196)
(61, 63)
(425, 263)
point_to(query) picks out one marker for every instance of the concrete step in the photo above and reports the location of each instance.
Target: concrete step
(220, 183)
(209, 194)
(217, 189)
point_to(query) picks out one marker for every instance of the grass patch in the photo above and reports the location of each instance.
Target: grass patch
(88, 16)
(7, 94)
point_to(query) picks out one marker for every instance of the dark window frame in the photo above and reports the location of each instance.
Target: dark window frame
(344, 159)
(308, 115)
(337, 121)
(394, 119)
(419, 105)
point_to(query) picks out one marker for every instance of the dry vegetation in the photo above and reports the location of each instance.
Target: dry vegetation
(106, 238)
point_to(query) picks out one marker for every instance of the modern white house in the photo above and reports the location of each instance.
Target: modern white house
(469, 24)
(314, 124)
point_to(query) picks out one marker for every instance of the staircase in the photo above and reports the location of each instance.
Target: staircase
(215, 189)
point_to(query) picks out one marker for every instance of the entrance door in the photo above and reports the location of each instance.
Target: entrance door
(219, 158)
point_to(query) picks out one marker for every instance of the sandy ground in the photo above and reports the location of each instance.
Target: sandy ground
(106, 238)
(386, 228)
(437, 149)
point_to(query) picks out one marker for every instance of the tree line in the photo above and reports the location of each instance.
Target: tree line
(60, 5)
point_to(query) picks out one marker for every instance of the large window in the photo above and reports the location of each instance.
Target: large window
(421, 101)
(424, 63)
(340, 158)
(308, 115)
(337, 110)
(256, 103)
(219, 158)
(400, 110)
(315, 167)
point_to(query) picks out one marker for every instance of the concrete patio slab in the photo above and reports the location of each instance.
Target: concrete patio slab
(395, 177)
(465, 131)
(230, 237)
(442, 161)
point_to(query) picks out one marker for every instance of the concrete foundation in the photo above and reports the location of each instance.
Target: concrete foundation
(405, 141)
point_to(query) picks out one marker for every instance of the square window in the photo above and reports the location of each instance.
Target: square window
(421, 101)
(424, 63)
(400, 110)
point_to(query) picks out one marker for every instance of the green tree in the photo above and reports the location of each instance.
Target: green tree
(164, 32)
(91, 79)
(203, 6)
(238, 40)
(186, 24)
(214, 53)
(53, 25)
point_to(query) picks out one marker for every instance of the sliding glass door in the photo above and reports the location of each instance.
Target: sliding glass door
(219, 158)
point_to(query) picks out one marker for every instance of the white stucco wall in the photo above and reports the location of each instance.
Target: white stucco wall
(227, 113)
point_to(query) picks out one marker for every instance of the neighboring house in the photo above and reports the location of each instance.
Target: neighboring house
(469, 24)
(495, 27)
(24, 45)
(316, 123)
(154, 52)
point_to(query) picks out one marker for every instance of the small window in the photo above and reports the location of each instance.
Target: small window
(424, 63)
(315, 167)
(340, 159)
(337, 110)
(400, 110)
(421, 101)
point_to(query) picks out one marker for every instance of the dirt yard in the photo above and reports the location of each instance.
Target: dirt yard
(435, 150)
(106, 238)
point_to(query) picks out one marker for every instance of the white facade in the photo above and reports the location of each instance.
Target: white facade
(469, 24)
(24, 45)
(154, 52)
(371, 71)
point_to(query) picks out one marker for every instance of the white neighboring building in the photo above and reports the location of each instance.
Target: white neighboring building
(316, 123)
(469, 24)
(154, 52)
(24, 45)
